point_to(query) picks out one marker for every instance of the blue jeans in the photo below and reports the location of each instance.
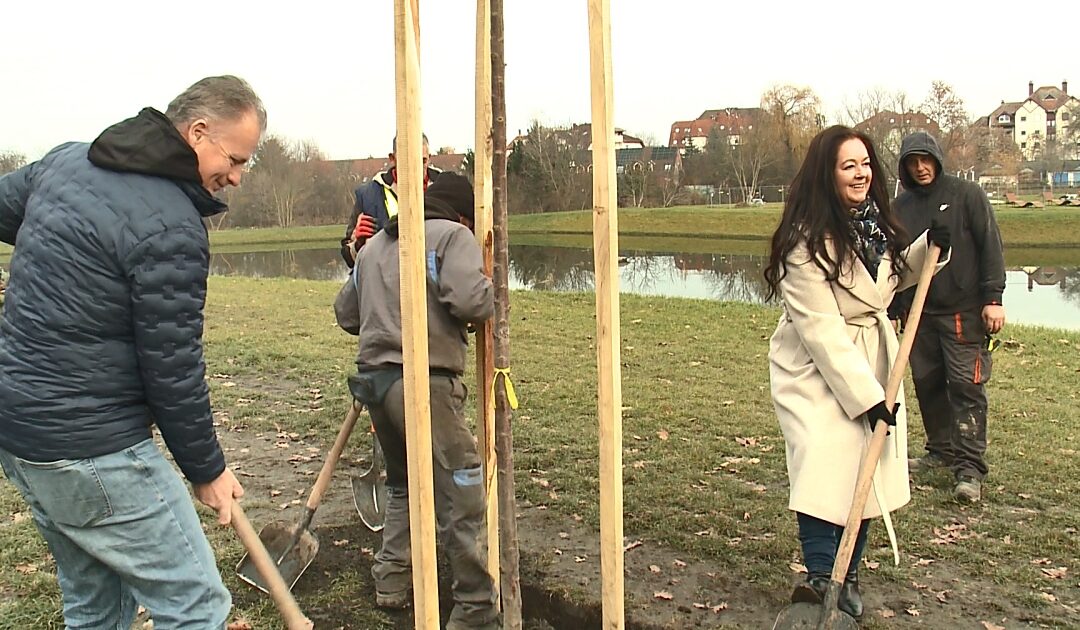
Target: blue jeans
(820, 541)
(122, 529)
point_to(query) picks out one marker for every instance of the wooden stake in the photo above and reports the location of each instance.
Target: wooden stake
(485, 351)
(605, 252)
(504, 437)
(414, 314)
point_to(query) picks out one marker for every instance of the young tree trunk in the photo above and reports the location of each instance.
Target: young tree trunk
(504, 437)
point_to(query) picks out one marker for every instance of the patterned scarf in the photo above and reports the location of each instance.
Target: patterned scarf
(869, 239)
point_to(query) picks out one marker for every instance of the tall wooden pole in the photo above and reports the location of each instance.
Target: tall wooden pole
(504, 437)
(410, 171)
(605, 252)
(485, 350)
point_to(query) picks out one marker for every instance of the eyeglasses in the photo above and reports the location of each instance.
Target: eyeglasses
(234, 161)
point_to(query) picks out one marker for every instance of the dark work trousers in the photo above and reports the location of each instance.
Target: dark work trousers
(820, 541)
(950, 365)
(459, 500)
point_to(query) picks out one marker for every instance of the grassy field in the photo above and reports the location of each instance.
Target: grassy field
(704, 461)
(1020, 228)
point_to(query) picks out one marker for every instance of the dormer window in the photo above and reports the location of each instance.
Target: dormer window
(1004, 118)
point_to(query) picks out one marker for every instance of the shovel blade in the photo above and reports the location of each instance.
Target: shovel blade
(804, 616)
(369, 496)
(278, 537)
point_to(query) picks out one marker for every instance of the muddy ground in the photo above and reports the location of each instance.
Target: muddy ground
(560, 561)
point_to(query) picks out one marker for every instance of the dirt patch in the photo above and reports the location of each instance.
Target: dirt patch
(665, 589)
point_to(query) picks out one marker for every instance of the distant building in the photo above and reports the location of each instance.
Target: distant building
(1044, 117)
(731, 122)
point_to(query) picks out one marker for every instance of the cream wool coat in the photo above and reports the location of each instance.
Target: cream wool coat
(829, 360)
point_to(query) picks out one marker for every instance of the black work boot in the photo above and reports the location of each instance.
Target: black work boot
(850, 600)
(812, 591)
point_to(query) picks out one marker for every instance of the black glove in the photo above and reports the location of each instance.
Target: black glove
(347, 252)
(880, 413)
(939, 234)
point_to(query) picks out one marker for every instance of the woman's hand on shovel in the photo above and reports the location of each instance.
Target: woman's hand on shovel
(219, 494)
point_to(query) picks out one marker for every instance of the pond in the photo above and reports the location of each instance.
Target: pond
(1036, 295)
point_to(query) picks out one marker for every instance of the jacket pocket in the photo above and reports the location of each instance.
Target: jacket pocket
(68, 490)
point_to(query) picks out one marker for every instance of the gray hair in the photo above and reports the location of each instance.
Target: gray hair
(393, 148)
(216, 98)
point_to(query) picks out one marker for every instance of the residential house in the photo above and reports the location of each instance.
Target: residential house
(731, 122)
(1044, 117)
(665, 160)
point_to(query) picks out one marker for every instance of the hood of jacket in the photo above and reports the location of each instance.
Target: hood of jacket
(149, 144)
(924, 143)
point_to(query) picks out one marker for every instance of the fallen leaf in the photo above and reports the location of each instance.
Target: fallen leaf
(1048, 597)
(664, 595)
(914, 612)
(633, 545)
(654, 569)
(887, 613)
(679, 563)
(992, 626)
(701, 606)
(1041, 561)
(721, 606)
(341, 543)
(662, 434)
(941, 597)
(26, 568)
(871, 564)
(239, 624)
(275, 493)
(1055, 574)
(797, 568)
(923, 562)
(565, 536)
(580, 558)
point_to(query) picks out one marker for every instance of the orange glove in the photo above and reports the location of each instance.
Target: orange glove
(365, 229)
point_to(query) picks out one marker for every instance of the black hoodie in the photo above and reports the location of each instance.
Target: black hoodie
(975, 275)
(101, 335)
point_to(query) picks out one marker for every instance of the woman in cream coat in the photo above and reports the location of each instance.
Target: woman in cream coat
(836, 260)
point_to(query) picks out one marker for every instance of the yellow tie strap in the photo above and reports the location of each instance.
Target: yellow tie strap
(511, 395)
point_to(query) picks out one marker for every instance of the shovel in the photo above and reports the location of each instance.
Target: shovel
(264, 564)
(369, 489)
(826, 616)
(293, 548)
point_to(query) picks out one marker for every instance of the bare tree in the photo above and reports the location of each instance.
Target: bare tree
(945, 107)
(793, 115)
(11, 161)
(755, 150)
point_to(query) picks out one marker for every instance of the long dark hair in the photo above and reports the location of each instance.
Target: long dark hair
(815, 214)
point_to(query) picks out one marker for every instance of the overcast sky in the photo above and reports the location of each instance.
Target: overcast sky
(326, 70)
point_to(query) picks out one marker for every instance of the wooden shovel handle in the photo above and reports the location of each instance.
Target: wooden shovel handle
(264, 564)
(877, 442)
(327, 472)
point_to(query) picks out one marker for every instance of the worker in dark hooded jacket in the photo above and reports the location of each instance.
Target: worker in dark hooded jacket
(101, 339)
(458, 293)
(950, 362)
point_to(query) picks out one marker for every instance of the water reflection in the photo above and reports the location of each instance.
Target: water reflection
(1047, 295)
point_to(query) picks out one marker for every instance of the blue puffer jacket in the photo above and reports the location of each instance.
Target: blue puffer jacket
(101, 334)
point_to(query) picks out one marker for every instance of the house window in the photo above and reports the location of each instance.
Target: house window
(1023, 145)
(1036, 145)
(1050, 123)
(1023, 118)
(892, 121)
(1064, 116)
(667, 167)
(1004, 118)
(1023, 133)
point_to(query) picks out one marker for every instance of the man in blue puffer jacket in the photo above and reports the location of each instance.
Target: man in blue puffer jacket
(101, 338)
